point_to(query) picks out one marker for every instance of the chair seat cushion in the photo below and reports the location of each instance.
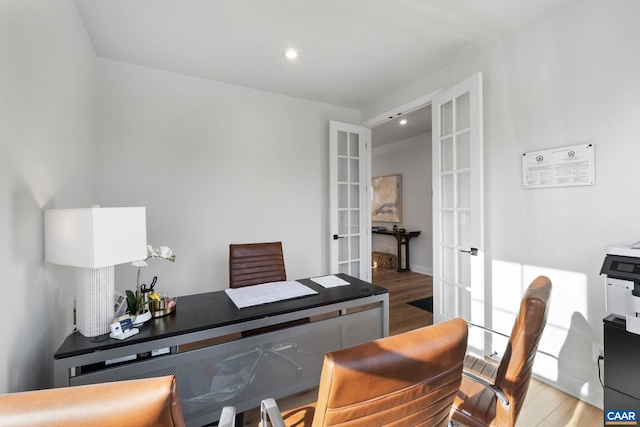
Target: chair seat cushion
(301, 416)
(298, 417)
(473, 396)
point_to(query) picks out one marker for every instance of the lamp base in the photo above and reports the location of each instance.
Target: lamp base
(94, 300)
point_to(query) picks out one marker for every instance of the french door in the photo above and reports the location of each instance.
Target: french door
(458, 232)
(349, 189)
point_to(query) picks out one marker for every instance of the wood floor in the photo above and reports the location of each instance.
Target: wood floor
(544, 406)
(404, 288)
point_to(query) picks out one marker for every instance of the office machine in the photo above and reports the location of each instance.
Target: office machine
(622, 269)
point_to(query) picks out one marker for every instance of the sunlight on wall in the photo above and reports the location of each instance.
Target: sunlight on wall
(566, 317)
(39, 183)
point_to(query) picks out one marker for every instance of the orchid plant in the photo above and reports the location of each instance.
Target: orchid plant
(135, 302)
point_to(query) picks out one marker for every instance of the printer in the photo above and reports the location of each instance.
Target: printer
(622, 269)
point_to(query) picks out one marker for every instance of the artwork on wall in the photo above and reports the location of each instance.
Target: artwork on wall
(386, 205)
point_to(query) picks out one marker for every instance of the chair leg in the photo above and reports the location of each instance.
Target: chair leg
(276, 351)
(240, 419)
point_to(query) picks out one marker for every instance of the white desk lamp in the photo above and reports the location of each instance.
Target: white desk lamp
(95, 240)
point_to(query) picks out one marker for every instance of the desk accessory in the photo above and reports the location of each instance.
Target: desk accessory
(146, 301)
(124, 335)
(123, 329)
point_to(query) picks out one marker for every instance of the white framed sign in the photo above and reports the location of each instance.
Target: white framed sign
(559, 167)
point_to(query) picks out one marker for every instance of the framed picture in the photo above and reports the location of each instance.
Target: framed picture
(386, 205)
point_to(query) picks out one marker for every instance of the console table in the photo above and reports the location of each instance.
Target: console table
(202, 345)
(403, 240)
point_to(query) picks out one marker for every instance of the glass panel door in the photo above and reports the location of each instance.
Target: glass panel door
(458, 194)
(350, 221)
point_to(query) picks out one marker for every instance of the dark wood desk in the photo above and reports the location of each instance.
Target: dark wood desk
(214, 370)
(403, 240)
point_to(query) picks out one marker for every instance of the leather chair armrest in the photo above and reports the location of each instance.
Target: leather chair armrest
(488, 384)
(270, 415)
(227, 417)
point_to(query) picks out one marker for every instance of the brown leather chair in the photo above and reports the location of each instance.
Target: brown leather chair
(408, 379)
(149, 402)
(255, 263)
(493, 396)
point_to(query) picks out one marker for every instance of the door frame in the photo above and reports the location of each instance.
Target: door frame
(408, 107)
(405, 108)
(391, 114)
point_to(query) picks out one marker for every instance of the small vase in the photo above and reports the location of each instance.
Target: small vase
(141, 318)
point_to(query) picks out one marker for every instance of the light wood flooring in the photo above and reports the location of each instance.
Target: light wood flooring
(544, 406)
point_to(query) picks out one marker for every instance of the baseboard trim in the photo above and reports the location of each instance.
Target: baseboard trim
(573, 386)
(422, 270)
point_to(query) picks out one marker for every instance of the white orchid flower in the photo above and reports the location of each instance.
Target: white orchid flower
(166, 252)
(161, 252)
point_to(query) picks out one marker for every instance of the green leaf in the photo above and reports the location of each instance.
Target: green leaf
(132, 302)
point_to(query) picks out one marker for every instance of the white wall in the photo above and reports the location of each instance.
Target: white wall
(47, 98)
(568, 79)
(412, 159)
(214, 164)
(205, 158)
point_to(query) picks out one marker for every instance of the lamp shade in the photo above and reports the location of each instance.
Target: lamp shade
(95, 237)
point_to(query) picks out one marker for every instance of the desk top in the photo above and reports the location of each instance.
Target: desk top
(210, 310)
(395, 233)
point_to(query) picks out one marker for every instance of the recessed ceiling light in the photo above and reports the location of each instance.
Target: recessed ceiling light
(291, 53)
(403, 122)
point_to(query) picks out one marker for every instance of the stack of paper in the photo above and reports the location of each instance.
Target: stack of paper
(330, 281)
(248, 296)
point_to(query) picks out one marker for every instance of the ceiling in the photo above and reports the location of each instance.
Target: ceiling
(418, 123)
(352, 52)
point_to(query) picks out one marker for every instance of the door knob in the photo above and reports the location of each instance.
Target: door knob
(472, 251)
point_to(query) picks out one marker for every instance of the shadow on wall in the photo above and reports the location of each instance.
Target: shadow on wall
(572, 362)
(571, 358)
(34, 311)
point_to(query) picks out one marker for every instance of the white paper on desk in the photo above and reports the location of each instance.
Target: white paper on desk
(248, 296)
(330, 281)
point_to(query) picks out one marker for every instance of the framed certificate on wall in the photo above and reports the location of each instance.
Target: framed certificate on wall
(559, 167)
